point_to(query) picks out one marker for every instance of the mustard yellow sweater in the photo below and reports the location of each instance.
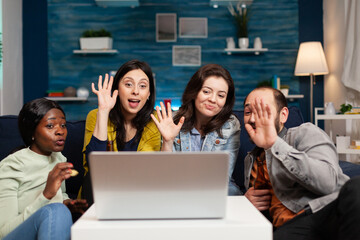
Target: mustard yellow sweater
(150, 138)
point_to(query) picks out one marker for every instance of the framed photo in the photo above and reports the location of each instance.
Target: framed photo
(193, 27)
(166, 27)
(186, 55)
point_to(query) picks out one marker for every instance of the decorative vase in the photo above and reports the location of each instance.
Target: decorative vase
(70, 92)
(230, 43)
(96, 43)
(329, 109)
(285, 91)
(257, 43)
(82, 92)
(243, 43)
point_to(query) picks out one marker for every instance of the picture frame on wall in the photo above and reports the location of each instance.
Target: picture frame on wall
(193, 27)
(186, 55)
(166, 27)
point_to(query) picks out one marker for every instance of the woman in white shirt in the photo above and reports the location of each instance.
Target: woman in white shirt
(33, 202)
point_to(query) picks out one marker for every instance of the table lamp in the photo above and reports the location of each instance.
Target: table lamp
(310, 62)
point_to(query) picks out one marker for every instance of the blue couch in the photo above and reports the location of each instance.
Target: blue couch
(10, 139)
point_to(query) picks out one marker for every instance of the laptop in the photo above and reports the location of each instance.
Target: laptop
(159, 185)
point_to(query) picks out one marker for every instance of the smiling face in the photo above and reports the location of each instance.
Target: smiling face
(50, 133)
(211, 98)
(134, 90)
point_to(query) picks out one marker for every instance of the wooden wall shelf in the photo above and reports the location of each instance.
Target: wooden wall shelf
(68, 99)
(84, 52)
(247, 50)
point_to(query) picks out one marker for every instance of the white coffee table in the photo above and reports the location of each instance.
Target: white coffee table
(243, 221)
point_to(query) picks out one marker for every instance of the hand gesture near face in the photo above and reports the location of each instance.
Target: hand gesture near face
(168, 129)
(60, 172)
(264, 133)
(105, 101)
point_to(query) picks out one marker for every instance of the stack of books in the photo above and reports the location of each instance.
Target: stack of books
(55, 93)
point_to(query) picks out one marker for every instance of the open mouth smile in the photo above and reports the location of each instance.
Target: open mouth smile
(133, 103)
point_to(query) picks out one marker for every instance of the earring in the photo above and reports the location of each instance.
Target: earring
(32, 138)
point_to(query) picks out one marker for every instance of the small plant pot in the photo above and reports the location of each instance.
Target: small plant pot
(243, 43)
(285, 91)
(96, 43)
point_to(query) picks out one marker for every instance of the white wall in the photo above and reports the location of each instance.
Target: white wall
(334, 47)
(11, 90)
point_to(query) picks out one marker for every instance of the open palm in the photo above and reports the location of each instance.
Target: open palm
(168, 129)
(105, 101)
(264, 135)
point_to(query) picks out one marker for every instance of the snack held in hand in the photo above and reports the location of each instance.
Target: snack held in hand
(74, 173)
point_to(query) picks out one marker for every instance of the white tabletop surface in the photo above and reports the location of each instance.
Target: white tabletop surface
(243, 221)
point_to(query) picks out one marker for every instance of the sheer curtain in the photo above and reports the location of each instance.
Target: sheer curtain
(351, 73)
(351, 68)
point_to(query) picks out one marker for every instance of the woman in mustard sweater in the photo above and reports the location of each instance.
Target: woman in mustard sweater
(122, 120)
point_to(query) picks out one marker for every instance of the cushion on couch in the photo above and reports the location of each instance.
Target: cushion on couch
(10, 137)
(73, 152)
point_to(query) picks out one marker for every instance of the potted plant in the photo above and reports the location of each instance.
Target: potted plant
(96, 40)
(264, 83)
(345, 108)
(285, 89)
(241, 17)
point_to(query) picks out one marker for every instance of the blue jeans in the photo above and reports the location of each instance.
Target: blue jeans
(52, 221)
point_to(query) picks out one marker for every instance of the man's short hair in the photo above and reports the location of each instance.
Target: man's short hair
(279, 97)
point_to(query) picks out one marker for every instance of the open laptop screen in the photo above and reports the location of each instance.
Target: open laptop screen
(158, 185)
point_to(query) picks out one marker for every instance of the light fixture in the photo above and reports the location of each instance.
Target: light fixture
(310, 62)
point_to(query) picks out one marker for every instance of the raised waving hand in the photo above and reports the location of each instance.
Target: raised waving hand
(105, 101)
(168, 129)
(264, 135)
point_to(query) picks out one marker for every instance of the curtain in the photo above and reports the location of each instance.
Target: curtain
(351, 72)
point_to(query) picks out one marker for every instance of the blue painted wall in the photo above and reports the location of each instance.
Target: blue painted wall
(37, 78)
(134, 37)
(311, 29)
(35, 58)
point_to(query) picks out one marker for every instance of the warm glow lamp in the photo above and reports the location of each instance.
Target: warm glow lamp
(310, 62)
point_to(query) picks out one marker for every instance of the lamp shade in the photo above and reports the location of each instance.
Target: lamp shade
(311, 60)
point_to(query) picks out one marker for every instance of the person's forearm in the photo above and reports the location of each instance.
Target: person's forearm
(301, 163)
(100, 131)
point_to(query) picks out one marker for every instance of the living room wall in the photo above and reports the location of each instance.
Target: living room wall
(133, 30)
(278, 26)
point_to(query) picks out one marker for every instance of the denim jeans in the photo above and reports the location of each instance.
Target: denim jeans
(51, 222)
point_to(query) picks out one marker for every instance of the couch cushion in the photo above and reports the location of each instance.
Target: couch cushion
(10, 137)
(73, 152)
